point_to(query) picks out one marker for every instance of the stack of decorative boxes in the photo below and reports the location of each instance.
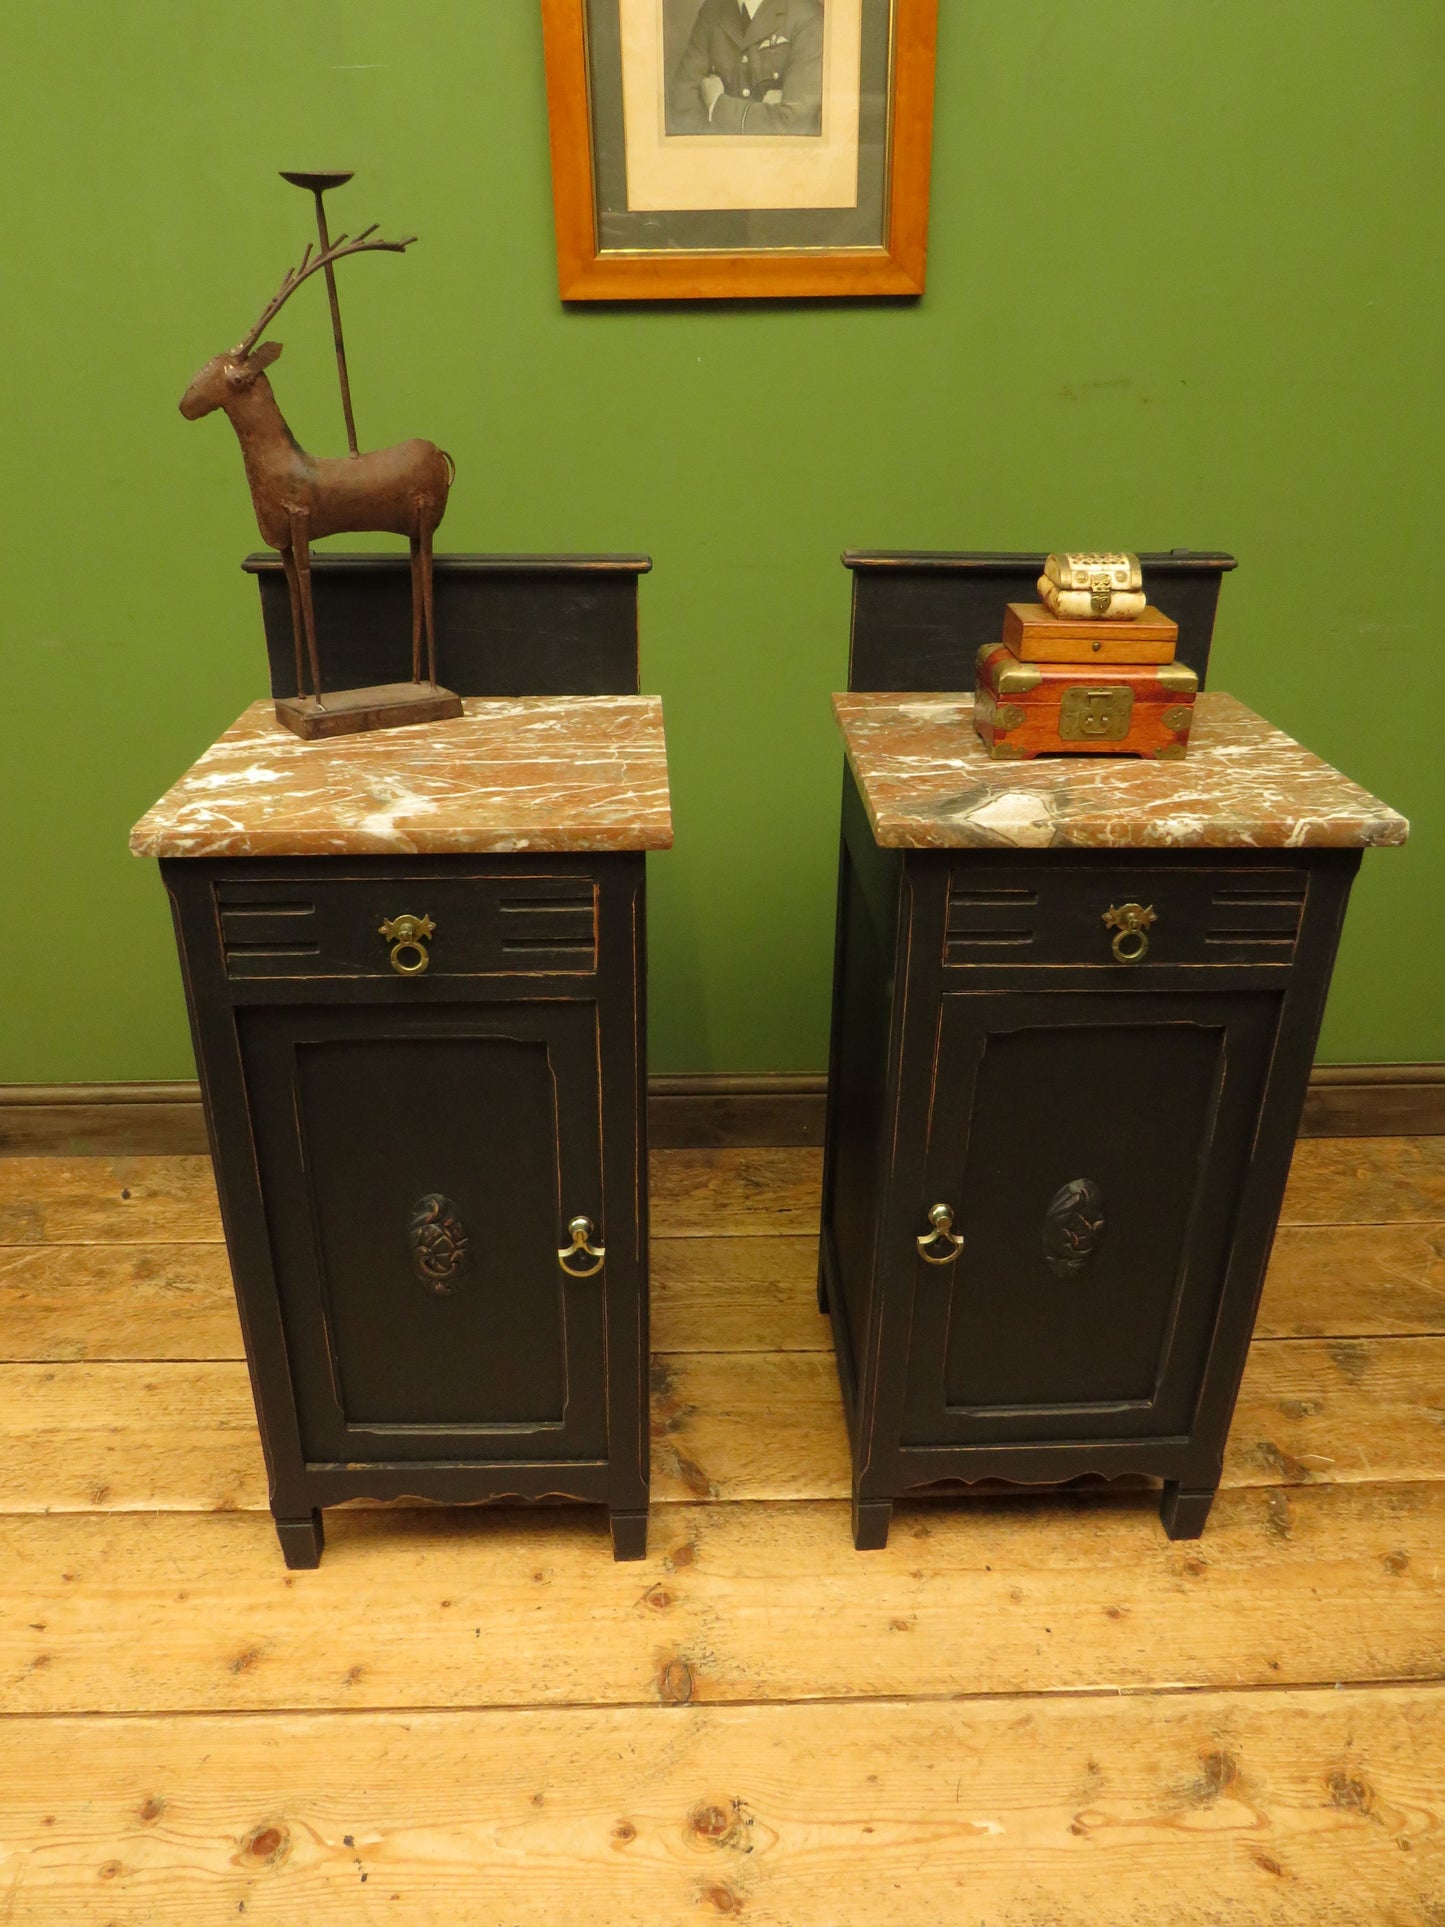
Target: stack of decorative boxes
(1087, 670)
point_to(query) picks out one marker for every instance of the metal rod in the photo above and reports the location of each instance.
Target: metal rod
(330, 273)
(318, 183)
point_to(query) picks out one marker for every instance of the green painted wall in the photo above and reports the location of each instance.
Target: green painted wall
(1185, 287)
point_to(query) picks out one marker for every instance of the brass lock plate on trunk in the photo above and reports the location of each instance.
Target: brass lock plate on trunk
(1096, 715)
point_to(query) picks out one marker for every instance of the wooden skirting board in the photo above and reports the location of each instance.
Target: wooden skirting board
(684, 1112)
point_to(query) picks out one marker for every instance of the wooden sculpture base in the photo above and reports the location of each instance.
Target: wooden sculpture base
(385, 705)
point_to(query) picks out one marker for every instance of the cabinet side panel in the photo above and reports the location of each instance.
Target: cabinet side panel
(868, 883)
(1272, 1148)
(229, 1129)
(622, 1007)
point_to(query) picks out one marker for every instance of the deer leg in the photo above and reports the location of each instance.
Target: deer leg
(426, 602)
(288, 562)
(301, 549)
(416, 608)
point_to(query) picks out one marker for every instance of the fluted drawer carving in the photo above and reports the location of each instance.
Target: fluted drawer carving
(484, 926)
(1204, 916)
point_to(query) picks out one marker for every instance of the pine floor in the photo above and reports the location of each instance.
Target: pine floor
(1024, 1713)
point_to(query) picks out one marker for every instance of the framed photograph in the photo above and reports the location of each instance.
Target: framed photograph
(713, 149)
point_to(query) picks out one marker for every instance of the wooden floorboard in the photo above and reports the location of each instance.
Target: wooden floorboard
(695, 1194)
(749, 1425)
(770, 1425)
(1373, 1180)
(126, 1301)
(150, 1200)
(701, 1194)
(1339, 1411)
(726, 1426)
(129, 1437)
(738, 1294)
(1300, 1809)
(93, 1302)
(146, 1612)
(1349, 1281)
(1362, 1180)
(764, 1424)
(744, 1294)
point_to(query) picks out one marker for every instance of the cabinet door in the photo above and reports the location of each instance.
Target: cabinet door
(1093, 1149)
(420, 1167)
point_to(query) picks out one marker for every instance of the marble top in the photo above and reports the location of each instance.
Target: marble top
(928, 783)
(513, 773)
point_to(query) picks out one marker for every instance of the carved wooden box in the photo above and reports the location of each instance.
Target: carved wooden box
(1025, 709)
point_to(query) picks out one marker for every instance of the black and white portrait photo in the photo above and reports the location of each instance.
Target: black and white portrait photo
(717, 145)
(743, 66)
(736, 107)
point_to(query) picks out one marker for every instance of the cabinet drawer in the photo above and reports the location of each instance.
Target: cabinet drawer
(482, 926)
(1055, 914)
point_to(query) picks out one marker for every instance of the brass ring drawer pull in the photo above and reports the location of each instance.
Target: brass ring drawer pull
(1130, 923)
(941, 1218)
(580, 1231)
(408, 936)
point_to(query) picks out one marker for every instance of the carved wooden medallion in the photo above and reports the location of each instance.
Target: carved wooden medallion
(1073, 1227)
(438, 1243)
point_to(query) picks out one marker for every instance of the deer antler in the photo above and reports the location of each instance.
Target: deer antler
(306, 267)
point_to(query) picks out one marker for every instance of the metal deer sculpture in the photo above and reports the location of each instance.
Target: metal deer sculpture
(300, 497)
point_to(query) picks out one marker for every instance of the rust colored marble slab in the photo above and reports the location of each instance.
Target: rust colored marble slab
(513, 773)
(927, 784)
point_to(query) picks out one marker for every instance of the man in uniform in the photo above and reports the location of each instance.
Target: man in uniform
(750, 67)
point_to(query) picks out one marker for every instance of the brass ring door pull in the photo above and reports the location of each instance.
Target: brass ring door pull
(1130, 923)
(580, 1231)
(408, 937)
(941, 1218)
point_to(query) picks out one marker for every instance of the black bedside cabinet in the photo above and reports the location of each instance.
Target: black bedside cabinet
(1057, 1144)
(401, 1160)
(415, 968)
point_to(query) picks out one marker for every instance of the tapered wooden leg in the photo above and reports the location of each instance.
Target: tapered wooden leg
(288, 563)
(871, 1520)
(1184, 1513)
(416, 599)
(301, 1541)
(822, 1291)
(629, 1534)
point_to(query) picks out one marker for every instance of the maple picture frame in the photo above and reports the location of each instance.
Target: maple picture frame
(611, 253)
